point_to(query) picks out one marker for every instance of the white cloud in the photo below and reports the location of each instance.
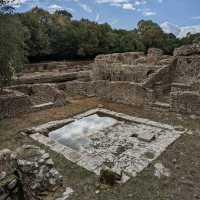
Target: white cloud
(170, 28)
(128, 6)
(124, 4)
(149, 13)
(112, 1)
(54, 7)
(179, 31)
(196, 17)
(97, 17)
(85, 7)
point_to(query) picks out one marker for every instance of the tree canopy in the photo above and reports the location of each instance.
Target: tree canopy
(41, 35)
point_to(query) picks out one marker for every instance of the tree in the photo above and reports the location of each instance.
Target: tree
(64, 13)
(4, 2)
(151, 34)
(37, 22)
(12, 53)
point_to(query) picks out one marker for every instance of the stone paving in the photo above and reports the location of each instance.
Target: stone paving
(126, 147)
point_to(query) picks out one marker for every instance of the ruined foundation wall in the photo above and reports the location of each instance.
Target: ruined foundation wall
(119, 72)
(128, 58)
(13, 104)
(187, 69)
(120, 92)
(64, 66)
(185, 102)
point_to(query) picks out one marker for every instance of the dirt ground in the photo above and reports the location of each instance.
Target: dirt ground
(182, 158)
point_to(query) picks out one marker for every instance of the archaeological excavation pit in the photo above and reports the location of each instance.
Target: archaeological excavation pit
(101, 138)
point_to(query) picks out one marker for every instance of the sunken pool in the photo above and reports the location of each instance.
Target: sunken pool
(100, 137)
(77, 133)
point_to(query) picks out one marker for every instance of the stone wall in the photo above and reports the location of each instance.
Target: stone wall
(154, 55)
(123, 58)
(131, 66)
(27, 174)
(51, 77)
(119, 72)
(42, 93)
(14, 103)
(187, 69)
(185, 102)
(58, 66)
(121, 92)
(187, 50)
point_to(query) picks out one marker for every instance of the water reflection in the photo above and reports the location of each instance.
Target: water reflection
(76, 134)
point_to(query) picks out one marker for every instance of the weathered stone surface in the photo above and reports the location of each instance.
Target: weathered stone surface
(185, 102)
(68, 192)
(65, 66)
(120, 152)
(52, 77)
(187, 50)
(160, 170)
(7, 162)
(14, 103)
(35, 173)
(36, 176)
(154, 55)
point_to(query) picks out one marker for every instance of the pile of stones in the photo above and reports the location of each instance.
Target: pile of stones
(27, 174)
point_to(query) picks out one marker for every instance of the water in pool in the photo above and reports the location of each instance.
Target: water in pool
(76, 134)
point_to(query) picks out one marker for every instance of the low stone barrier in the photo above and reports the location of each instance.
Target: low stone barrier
(14, 103)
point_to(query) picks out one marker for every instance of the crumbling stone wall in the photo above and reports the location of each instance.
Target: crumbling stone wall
(131, 66)
(185, 92)
(27, 174)
(187, 50)
(42, 93)
(122, 92)
(119, 72)
(185, 102)
(154, 55)
(57, 66)
(14, 103)
(123, 58)
(187, 69)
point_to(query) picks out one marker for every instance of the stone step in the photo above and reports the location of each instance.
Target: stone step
(36, 100)
(42, 106)
(161, 106)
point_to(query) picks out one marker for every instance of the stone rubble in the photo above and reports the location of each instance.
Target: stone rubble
(68, 192)
(29, 172)
(160, 170)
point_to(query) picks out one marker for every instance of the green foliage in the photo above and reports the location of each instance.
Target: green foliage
(151, 35)
(56, 36)
(64, 13)
(191, 38)
(12, 48)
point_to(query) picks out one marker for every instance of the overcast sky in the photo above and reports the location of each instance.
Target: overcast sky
(124, 13)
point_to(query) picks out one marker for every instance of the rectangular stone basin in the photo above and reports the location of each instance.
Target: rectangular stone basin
(76, 134)
(99, 138)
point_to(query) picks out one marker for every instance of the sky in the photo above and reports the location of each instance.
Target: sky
(125, 13)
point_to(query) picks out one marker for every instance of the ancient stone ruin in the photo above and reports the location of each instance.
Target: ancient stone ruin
(152, 82)
(27, 173)
(101, 138)
(155, 82)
